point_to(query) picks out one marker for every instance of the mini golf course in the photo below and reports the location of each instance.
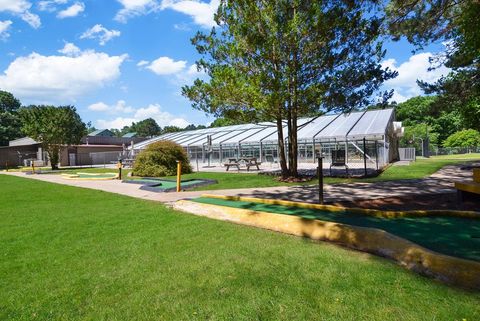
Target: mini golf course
(454, 236)
(166, 185)
(444, 245)
(91, 176)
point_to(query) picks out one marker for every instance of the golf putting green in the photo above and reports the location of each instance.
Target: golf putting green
(167, 185)
(91, 176)
(454, 236)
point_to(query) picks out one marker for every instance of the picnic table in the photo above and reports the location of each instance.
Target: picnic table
(243, 161)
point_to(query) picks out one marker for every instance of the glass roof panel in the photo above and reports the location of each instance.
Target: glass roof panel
(340, 126)
(374, 122)
(316, 126)
(356, 125)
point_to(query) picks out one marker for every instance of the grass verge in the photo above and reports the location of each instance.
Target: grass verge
(78, 254)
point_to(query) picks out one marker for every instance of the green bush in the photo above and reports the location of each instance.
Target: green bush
(463, 138)
(160, 159)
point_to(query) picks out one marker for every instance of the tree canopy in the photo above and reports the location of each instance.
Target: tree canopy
(53, 127)
(9, 119)
(455, 22)
(146, 128)
(279, 60)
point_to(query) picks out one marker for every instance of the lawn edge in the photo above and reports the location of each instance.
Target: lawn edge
(447, 269)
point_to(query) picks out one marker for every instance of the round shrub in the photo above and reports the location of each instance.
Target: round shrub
(160, 159)
(463, 138)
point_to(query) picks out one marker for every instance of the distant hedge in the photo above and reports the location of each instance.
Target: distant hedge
(160, 159)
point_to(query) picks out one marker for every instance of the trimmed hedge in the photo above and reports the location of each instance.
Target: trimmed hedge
(160, 159)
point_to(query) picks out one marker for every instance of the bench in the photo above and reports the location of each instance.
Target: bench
(247, 162)
(472, 186)
(252, 162)
(229, 164)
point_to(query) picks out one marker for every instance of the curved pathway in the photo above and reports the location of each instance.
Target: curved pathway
(440, 182)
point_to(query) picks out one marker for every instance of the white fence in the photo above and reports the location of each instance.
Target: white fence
(406, 154)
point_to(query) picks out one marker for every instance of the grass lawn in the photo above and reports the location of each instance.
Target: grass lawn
(423, 167)
(78, 254)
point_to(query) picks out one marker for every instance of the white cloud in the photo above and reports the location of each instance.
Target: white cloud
(415, 68)
(72, 11)
(4, 26)
(166, 66)
(142, 63)
(100, 33)
(21, 8)
(50, 5)
(15, 6)
(70, 50)
(60, 78)
(132, 8)
(119, 107)
(32, 19)
(100, 106)
(201, 12)
(179, 122)
(154, 111)
(182, 27)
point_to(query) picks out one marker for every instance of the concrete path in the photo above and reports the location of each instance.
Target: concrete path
(440, 182)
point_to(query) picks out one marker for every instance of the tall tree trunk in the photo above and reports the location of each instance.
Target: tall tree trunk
(293, 141)
(281, 147)
(53, 154)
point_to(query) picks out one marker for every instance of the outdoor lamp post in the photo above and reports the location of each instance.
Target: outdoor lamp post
(320, 177)
(119, 166)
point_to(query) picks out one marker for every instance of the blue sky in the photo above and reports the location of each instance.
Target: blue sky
(120, 61)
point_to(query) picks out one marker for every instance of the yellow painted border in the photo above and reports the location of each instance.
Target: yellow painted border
(332, 208)
(448, 269)
(470, 187)
(92, 178)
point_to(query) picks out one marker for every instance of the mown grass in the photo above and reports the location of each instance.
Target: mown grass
(78, 254)
(423, 167)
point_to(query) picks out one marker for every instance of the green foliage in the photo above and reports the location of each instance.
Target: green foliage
(455, 22)
(146, 128)
(416, 110)
(53, 127)
(464, 138)
(171, 129)
(160, 159)
(193, 127)
(421, 111)
(9, 119)
(414, 135)
(277, 60)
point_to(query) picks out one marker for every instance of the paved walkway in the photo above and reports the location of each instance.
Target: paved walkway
(440, 182)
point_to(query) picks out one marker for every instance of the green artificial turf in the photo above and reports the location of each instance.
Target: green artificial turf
(93, 175)
(77, 254)
(454, 236)
(168, 184)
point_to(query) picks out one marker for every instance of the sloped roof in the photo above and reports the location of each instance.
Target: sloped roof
(370, 124)
(101, 132)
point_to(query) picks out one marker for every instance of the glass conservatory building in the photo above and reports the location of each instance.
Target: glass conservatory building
(367, 135)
